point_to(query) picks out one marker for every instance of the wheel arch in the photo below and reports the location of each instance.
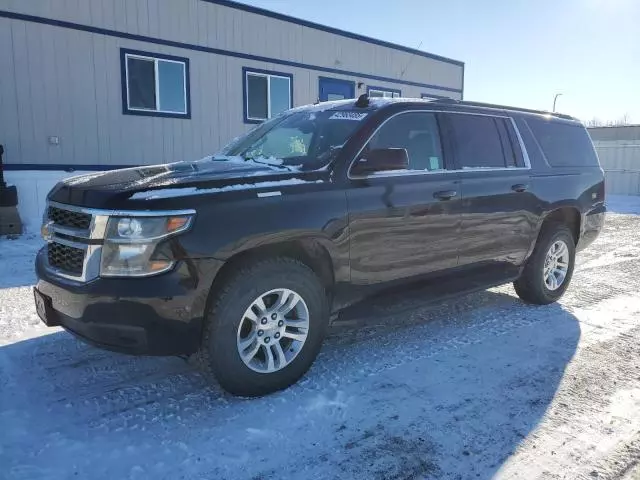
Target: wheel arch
(567, 215)
(310, 251)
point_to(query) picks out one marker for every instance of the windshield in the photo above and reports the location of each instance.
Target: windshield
(308, 140)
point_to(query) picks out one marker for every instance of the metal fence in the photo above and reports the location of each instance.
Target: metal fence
(620, 160)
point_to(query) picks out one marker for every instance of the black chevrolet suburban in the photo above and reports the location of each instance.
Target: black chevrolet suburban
(244, 257)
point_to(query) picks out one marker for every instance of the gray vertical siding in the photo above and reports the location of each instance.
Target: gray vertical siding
(619, 153)
(620, 160)
(63, 82)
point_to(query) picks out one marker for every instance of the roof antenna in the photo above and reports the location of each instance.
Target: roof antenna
(363, 101)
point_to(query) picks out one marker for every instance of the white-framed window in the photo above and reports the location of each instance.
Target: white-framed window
(154, 84)
(266, 94)
(379, 92)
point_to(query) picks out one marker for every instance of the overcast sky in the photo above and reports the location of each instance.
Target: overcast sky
(517, 52)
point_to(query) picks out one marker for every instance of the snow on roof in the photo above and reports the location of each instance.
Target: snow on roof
(374, 103)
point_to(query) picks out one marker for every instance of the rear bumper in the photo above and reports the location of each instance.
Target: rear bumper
(592, 225)
(160, 315)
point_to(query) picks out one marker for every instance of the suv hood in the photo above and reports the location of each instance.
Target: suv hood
(109, 189)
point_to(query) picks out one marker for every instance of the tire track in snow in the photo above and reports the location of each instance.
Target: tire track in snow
(579, 414)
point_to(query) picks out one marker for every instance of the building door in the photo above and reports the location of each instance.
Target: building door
(335, 89)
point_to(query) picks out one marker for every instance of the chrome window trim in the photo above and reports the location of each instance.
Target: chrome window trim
(525, 155)
(97, 231)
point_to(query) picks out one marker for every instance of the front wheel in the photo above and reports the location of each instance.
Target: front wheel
(266, 327)
(548, 271)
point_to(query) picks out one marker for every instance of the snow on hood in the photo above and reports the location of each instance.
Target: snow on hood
(179, 192)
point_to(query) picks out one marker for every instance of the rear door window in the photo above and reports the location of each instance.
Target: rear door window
(477, 141)
(564, 144)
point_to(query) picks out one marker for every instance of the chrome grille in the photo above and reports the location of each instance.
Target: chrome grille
(66, 258)
(68, 232)
(67, 218)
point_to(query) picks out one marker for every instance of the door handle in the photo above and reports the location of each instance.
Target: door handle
(445, 194)
(520, 187)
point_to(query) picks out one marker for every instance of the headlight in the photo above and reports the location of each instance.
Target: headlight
(130, 245)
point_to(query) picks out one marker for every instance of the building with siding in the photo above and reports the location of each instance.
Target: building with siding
(619, 153)
(99, 84)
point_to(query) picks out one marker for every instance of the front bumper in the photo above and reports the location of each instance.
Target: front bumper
(159, 315)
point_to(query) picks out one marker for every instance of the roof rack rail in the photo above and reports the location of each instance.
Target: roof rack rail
(501, 107)
(445, 100)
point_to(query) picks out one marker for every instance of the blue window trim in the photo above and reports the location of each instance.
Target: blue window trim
(123, 81)
(217, 51)
(335, 31)
(383, 89)
(350, 83)
(245, 71)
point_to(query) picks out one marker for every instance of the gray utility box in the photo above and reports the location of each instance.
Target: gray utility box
(10, 223)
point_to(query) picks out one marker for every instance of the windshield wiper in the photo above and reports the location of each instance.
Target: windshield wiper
(248, 158)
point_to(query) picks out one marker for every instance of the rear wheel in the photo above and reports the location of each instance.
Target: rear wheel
(265, 328)
(548, 271)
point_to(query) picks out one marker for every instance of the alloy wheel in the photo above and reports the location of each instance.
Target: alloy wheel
(556, 265)
(273, 330)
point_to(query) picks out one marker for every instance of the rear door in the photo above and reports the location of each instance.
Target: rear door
(404, 223)
(498, 208)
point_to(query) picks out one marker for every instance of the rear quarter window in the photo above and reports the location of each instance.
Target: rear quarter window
(563, 144)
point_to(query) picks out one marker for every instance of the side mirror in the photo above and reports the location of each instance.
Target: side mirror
(381, 160)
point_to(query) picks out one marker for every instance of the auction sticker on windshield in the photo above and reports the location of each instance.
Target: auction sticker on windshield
(357, 116)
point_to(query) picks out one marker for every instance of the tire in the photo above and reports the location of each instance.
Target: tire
(531, 286)
(220, 351)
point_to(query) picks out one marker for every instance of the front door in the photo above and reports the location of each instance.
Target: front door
(405, 223)
(335, 89)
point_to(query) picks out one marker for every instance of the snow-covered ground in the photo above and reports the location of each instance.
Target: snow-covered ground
(623, 204)
(482, 386)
